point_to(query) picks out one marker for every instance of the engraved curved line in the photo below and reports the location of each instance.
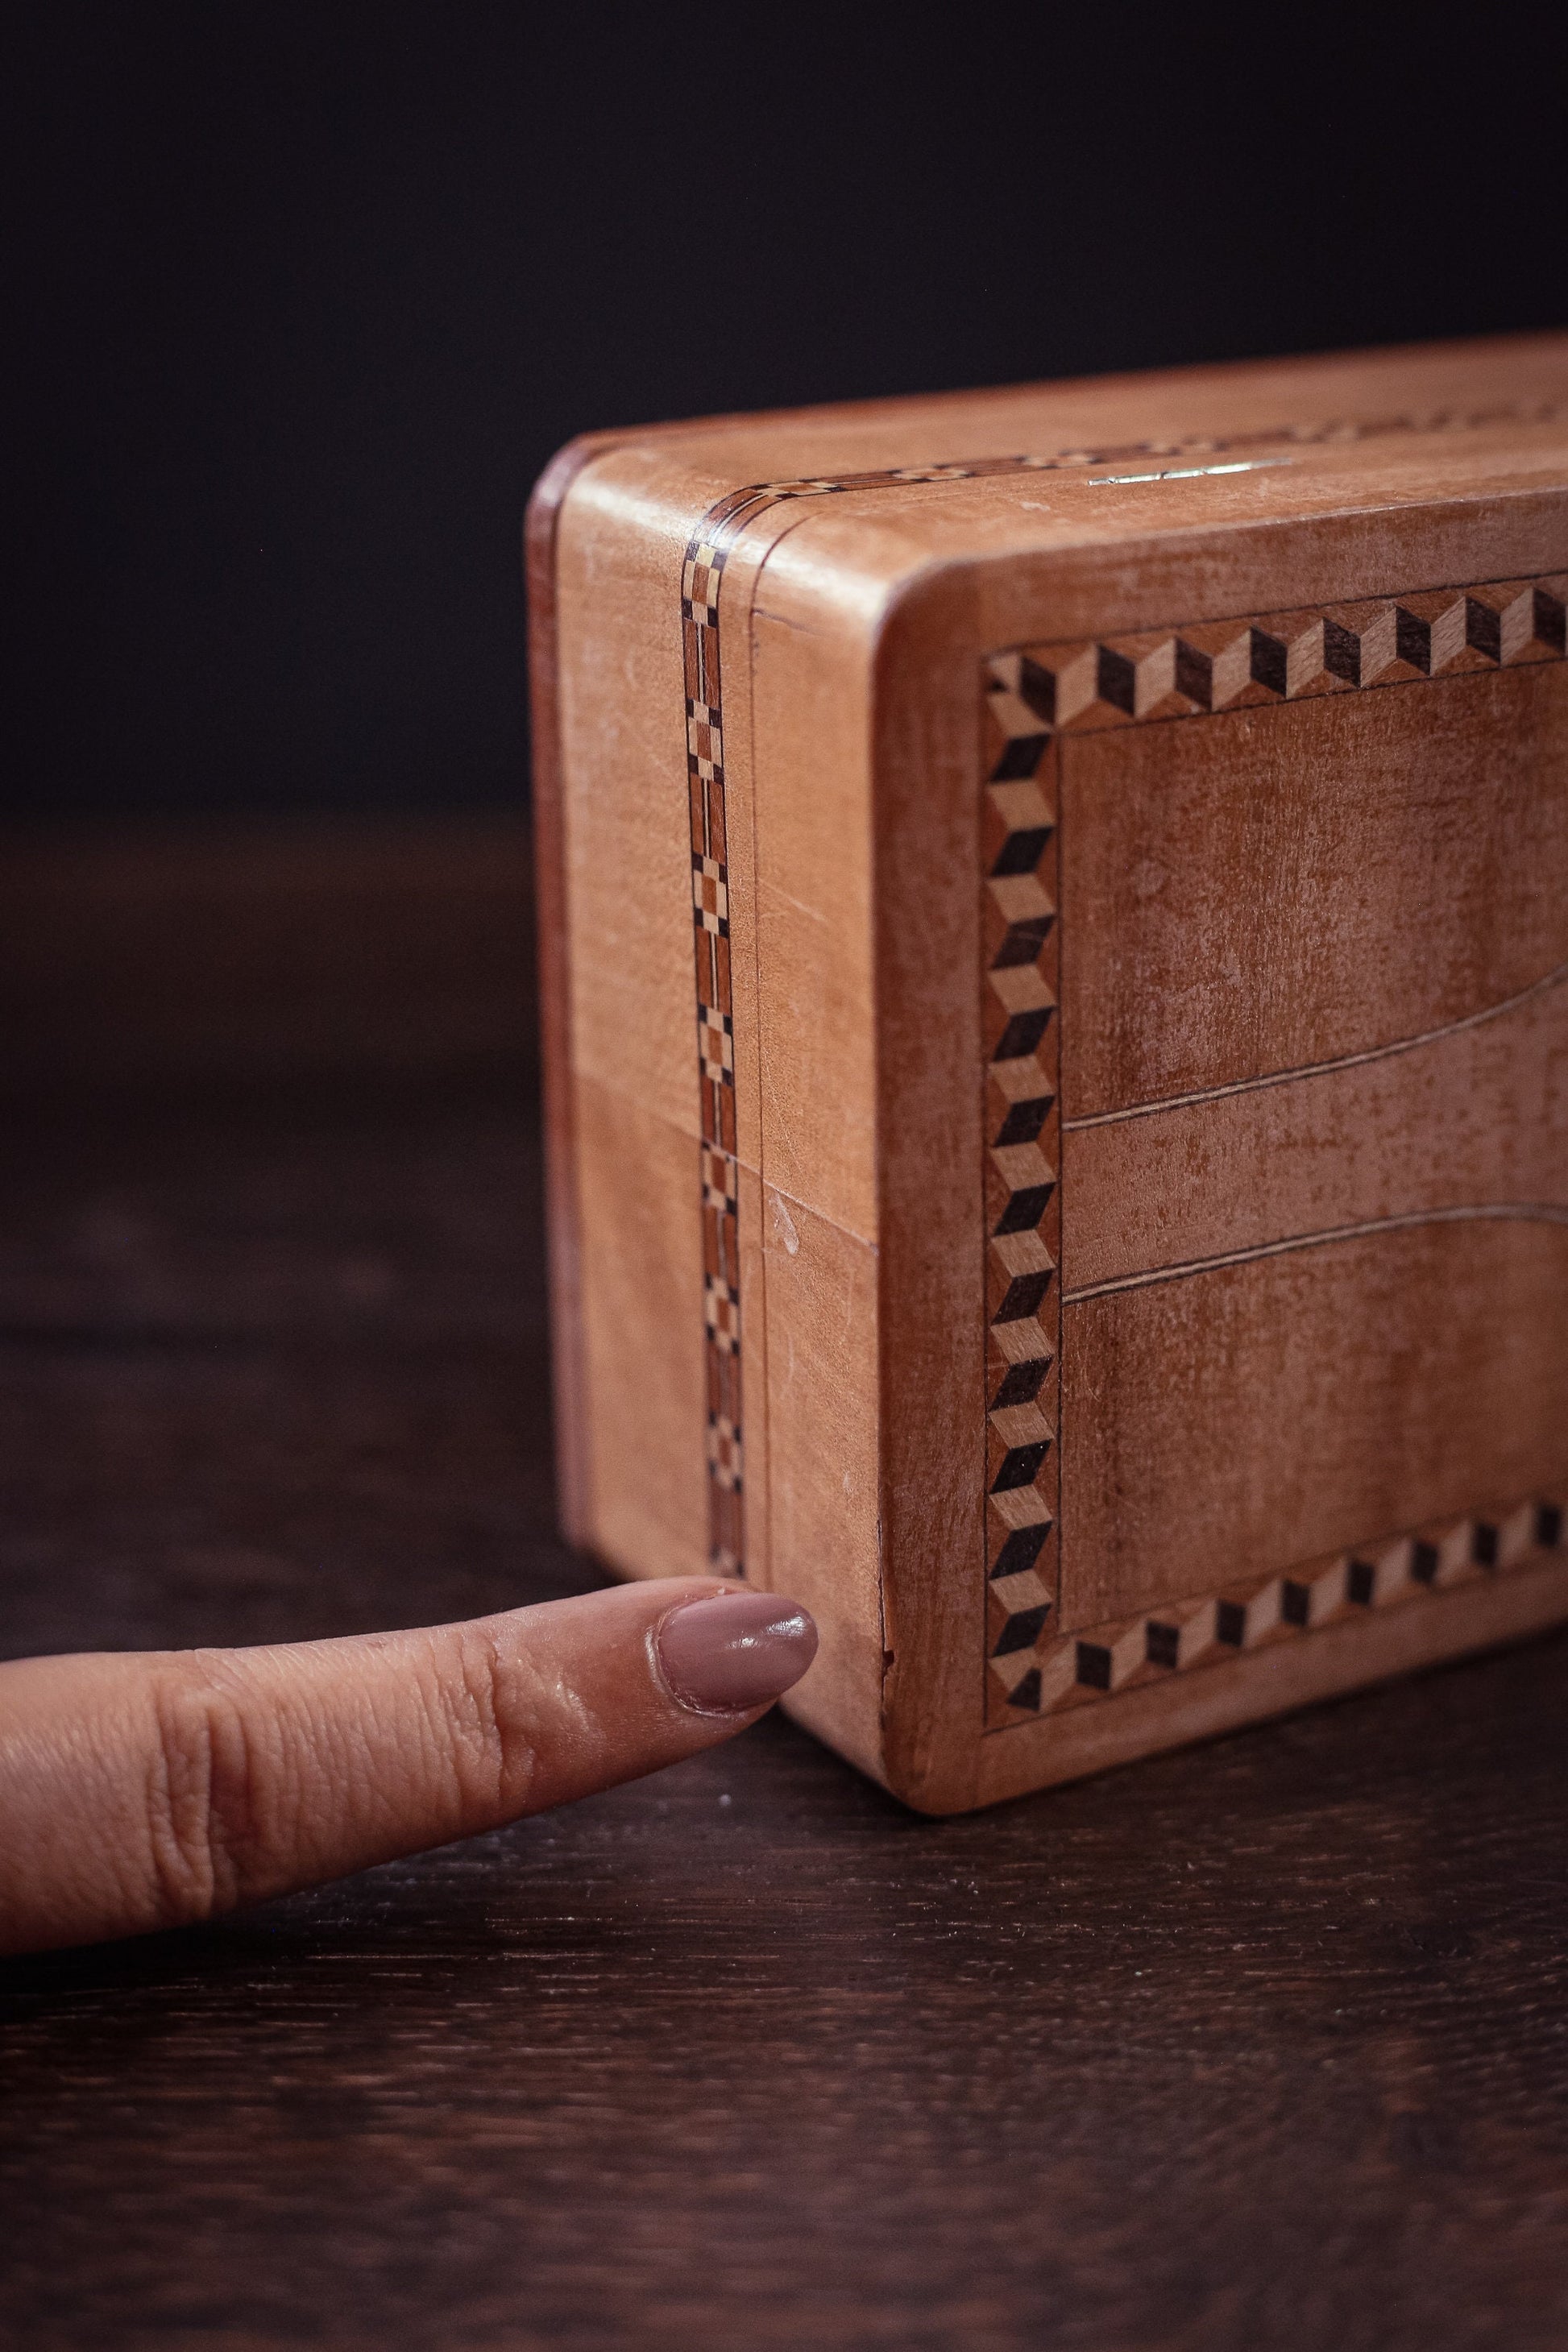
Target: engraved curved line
(1536, 1213)
(1550, 979)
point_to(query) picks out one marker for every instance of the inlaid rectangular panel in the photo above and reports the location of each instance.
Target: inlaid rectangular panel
(1308, 1254)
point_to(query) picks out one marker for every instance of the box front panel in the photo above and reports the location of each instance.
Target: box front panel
(1275, 945)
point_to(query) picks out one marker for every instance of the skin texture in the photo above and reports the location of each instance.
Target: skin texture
(151, 1790)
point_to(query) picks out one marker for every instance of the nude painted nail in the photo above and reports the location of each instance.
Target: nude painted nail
(734, 1651)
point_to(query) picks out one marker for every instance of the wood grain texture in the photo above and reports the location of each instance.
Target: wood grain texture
(1289, 690)
(1255, 2045)
(1272, 1159)
(1372, 870)
(539, 570)
(1240, 1419)
(644, 1476)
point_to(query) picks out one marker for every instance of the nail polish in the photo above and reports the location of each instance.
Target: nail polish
(734, 1651)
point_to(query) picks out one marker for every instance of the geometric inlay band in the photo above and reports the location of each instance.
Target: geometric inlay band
(1180, 1637)
(1020, 958)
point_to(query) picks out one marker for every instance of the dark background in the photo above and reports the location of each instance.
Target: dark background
(304, 297)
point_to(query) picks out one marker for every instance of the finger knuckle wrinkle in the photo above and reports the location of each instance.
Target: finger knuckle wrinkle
(494, 1726)
(202, 1800)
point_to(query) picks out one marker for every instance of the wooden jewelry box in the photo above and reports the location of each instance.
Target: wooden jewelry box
(1055, 935)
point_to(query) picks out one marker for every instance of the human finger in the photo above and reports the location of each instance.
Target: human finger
(150, 1790)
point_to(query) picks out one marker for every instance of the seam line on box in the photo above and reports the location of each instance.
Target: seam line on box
(1534, 1213)
(1548, 981)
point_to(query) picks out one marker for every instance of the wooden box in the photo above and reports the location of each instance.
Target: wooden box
(1055, 928)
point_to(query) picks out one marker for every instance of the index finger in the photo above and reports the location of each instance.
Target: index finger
(147, 1790)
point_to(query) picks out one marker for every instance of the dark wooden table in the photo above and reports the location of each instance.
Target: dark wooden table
(1263, 2044)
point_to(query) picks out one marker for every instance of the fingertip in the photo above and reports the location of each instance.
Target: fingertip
(733, 1652)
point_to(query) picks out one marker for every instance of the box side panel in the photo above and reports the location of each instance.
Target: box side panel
(622, 696)
(1353, 882)
(631, 1050)
(769, 734)
(811, 752)
(822, 1503)
(1462, 1505)
(554, 981)
(1239, 1423)
(1236, 1171)
(803, 841)
(1274, 887)
(930, 1082)
(641, 1288)
(1295, 929)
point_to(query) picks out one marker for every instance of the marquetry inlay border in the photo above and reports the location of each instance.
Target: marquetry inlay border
(1031, 697)
(702, 572)
(1254, 1613)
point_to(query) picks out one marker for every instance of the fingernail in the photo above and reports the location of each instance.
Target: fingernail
(734, 1651)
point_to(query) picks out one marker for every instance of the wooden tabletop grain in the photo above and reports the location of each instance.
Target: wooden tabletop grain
(1261, 2045)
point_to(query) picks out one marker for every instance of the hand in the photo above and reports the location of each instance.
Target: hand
(148, 1790)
